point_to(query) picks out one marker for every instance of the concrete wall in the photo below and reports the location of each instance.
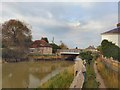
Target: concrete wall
(78, 77)
(115, 38)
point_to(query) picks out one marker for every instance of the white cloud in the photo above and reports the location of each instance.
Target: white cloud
(50, 15)
(0, 11)
(87, 5)
(74, 24)
(91, 26)
(99, 25)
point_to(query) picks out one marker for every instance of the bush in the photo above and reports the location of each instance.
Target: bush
(54, 47)
(13, 54)
(108, 49)
(87, 55)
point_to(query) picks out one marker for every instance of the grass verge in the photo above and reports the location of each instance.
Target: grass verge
(109, 76)
(90, 77)
(62, 80)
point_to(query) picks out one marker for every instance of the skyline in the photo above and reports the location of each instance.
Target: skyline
(76, 24)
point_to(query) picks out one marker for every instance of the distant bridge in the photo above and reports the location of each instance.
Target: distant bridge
(69, 50)
(69, 54)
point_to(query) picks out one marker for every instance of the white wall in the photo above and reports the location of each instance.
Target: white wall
(119, 40)
(115, 38)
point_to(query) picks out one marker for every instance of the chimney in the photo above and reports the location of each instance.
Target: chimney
(118, 25)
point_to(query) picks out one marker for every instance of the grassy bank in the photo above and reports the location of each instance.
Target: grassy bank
(12, 72)
(38, 56)
(62, 80)
(90, 77)
(109, 76)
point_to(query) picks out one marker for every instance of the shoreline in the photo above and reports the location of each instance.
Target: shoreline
(46, 60)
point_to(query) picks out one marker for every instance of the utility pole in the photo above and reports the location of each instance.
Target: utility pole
(53, 40)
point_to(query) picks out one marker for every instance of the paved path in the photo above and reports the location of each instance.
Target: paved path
(99, 78)
(79, 78)
(78, 81)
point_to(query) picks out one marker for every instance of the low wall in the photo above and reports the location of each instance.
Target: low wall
(78, 81)
(113, 64)
(78, 75)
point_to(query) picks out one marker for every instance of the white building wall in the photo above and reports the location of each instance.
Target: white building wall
(119, 40)
(115, 38)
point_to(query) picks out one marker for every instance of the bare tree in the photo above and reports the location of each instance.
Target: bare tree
(16, 36)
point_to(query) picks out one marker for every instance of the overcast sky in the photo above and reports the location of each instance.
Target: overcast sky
(77, 24)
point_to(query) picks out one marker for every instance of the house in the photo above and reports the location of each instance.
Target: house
(91, 48)
(112, 35)
(41, 47)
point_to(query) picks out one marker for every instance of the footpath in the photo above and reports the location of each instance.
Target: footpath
(78, 75)
(99, 78)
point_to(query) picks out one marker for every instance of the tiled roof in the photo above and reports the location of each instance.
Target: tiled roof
(91, 47)
(113, 31)
(40, 43)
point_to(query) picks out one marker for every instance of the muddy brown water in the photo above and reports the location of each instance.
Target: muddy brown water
(30, 74)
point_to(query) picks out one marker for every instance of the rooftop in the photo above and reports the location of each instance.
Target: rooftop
(40, 43)
(113, 31)
(91, 47)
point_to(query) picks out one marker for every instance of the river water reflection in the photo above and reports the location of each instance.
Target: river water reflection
(30, 74)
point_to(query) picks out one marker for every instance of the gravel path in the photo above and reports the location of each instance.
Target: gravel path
(99, 78)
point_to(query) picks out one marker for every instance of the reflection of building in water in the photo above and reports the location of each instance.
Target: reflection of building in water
(41, 47)
(112, 35)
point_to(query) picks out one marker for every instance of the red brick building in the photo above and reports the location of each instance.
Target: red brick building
(41, 47)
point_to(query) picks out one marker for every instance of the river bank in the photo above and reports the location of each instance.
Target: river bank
(28, 72)
(111, 81)
(33, 57)
(61, 80)
(38, 57)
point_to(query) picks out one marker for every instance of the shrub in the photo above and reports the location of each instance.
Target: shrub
(108, 49)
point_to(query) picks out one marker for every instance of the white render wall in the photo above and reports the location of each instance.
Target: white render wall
(115, 38)
(119, 40)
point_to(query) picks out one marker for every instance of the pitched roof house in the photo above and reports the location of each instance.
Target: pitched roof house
(91, 48)
(41, 47)
(112, 35)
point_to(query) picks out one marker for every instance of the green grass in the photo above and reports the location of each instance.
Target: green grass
(90, 77)
(62, 80)
(109, 76)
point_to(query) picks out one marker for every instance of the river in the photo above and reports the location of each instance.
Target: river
(30, 74)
